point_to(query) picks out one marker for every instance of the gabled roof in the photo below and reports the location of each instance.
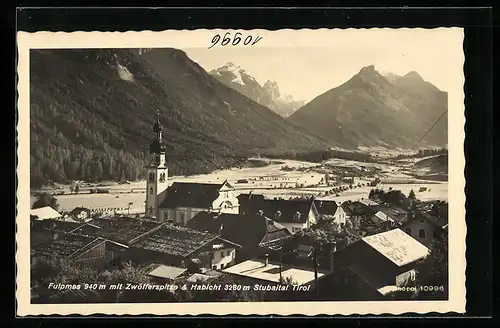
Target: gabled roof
(67, 246)
(257, 269)
(383, 217)
(246, 230)
(79, 209)
(397, 246)
(54, 225)
(290, 210)
(178, 241)
(191, 194)
(166, 271)
(328, 207)
(120, 229)
(368, 202)
(196, 277)
(44, 213)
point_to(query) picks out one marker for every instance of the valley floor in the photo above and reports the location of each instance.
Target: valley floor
(271, 180)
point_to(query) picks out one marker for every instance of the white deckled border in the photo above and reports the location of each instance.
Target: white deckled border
(201, 38)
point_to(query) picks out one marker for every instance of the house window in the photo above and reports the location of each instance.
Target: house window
(162, 177)
(214, 267)
(421, 233)
(151, 177)
(151, 191)
(408, 231)
(183, 217)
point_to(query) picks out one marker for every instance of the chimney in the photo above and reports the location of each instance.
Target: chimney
(260, 213)
(277, 215)
(221, 228)
(55, 235)
(266, 259)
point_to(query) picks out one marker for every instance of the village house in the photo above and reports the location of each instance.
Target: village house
(293, 214)
(263, 271)
(426, 227)
(375, 266)
(80, 214)
(81, 250)
(251, 231)
(361, 208)
(162, 274)
(124, 230)
(332, 211)
(42, 231)
(184, 200)
(118, 230)
(45, 213)
(180, 246)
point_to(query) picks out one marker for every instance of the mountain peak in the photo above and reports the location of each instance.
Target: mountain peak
(413, 75)
(368, 70)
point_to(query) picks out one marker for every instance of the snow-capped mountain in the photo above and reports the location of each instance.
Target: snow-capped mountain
(267, 95)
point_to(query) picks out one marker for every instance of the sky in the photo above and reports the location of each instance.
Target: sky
(305, 69)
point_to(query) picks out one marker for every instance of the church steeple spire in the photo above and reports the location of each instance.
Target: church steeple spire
(157, 127)
(157, 172)
(157, 146)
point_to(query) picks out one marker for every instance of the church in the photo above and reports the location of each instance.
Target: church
(181, 201)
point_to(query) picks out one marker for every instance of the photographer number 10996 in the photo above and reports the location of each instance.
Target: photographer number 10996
(421, 289)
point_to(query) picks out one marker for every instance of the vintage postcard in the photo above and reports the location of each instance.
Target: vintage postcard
(251, 172)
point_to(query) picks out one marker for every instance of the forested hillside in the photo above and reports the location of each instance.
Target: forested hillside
(92, 113)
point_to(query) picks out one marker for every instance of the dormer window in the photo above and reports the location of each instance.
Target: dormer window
(296, 216)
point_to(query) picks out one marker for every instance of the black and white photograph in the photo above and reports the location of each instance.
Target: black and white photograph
(240, 167)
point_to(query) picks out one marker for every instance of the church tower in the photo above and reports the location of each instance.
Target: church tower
(157, 173)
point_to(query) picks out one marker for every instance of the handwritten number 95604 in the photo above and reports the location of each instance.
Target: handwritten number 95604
(235, 40)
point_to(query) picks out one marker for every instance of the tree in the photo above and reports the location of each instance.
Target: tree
(45, 199)
(412, 195)
(371, 194)
(433, 271)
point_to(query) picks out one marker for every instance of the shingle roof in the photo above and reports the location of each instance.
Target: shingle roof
(397, 246)
(185, 194)
(55, 225)
(121, 229)
(46, 212)
(246, 230)
(67, 245)
(176, 241)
